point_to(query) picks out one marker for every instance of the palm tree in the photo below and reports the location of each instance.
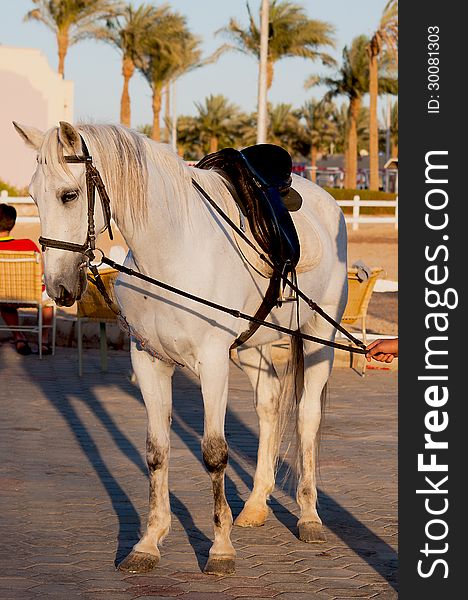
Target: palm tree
(190, 58)
(189, 144)
(320, 128)
(247, 131)
(352, 81)
(386, 35)
(394, 130)
(292, 34)
(362, 129)
(172, 50)
(218, 121)
(283, 125)
(129, 32)
(163, 56)
(71, 20)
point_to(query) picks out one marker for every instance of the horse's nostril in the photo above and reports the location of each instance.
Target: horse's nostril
(65, 297)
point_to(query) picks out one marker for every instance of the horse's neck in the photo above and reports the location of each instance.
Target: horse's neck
(166, 231)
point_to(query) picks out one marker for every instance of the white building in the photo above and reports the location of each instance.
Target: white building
(31, 93)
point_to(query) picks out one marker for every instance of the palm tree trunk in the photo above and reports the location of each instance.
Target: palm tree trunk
(394, 149)
(128, 68)
(213, 144)
(167, 113)
(346, 165)
(270, 73)
(373, 123)
(313, 163)
(354, 108)
(62, 46)
(156, 130)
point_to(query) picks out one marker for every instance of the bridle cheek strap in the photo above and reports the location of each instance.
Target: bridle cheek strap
(93, 182)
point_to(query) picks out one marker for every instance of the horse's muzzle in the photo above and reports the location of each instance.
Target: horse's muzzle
(67, 297)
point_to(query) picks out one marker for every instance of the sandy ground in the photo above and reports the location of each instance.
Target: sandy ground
(375, 245)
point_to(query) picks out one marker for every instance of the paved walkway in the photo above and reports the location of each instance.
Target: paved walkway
(73, 490)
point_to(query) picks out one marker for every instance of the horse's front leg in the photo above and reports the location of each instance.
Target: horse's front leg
(155, 380)
(214, 376)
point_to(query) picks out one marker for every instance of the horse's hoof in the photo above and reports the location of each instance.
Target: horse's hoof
(220, 566)
(138, 562)
(311, 533)
(252, 517)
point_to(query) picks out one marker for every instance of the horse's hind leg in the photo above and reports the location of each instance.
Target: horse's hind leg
(258, 366)
(214, 378)
(155, 379)
(318, 361)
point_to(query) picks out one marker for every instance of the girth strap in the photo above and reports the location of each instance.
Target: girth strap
(269, 300)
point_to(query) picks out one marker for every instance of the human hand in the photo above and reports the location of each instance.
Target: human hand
(382, 350)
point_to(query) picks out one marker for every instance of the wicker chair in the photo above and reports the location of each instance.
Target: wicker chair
(21, 285)
(359, 295)
(92, 307)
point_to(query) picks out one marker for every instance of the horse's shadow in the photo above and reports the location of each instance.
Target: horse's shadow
(129, 521)
(188, 426)
(364, 542)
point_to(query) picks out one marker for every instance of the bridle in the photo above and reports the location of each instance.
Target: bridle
(93, 182)
(88, 248)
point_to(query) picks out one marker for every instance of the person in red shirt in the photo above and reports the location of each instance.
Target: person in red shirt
(9, 312)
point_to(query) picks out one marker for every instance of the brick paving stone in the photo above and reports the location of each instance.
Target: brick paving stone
(56, 590)
(297, 586)
(104, 595)
(17, 583)
(207, 596)
(151, 597)
(155, 590)
(286, 578)
(142, 580)
(251, 592)
(386, 595)
(209, 584)
(305, 595)
(342, 590)
(17, 594)
(74, 489)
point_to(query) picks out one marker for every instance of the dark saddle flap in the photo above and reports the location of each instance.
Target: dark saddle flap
(261, 178)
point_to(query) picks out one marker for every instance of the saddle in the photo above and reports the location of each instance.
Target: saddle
(261, 179)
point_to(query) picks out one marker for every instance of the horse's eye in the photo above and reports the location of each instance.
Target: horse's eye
(69, 196)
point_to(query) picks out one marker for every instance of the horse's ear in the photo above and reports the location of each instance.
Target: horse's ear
(70, 138)
(32, 136)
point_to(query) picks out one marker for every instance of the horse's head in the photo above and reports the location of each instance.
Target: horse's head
(59, 191)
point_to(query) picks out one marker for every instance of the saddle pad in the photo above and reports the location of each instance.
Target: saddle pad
(311, 246)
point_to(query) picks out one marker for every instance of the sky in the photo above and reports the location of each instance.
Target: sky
(95, 67)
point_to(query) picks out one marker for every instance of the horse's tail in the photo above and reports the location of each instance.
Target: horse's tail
(292, 387)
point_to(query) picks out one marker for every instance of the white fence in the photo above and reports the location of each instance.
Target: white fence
(356, 220)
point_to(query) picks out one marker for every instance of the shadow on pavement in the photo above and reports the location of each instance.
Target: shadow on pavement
(130, 528)
(188, 425)
(365, 543)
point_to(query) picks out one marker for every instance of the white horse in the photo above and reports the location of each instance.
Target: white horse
(175, 236)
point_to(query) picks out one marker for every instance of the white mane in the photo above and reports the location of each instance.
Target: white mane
(125, 160)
